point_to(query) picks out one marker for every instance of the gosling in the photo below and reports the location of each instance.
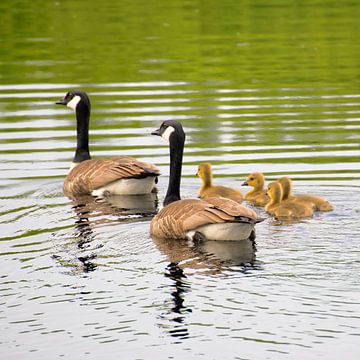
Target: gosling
(285, 210)
(258, 194)
(208, 190)
(318, 203)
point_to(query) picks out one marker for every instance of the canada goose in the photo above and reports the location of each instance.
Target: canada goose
(316, 202)
(258, 194)
(208, 190)
(215, 218)
(118, 175)
(284, 210)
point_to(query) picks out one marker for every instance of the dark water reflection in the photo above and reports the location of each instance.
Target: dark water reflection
(91, 213)
(211, 258)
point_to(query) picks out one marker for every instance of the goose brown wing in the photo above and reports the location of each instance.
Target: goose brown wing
(132, 163)
(94, 174)
(233, 208)
(180, 217)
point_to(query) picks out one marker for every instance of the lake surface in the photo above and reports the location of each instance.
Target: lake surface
(257, 87)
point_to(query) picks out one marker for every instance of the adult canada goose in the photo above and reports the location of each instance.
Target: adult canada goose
(208, 190)
(284, 210)
(120, 175)
(316, 202)
(215, 218)
(258, 194)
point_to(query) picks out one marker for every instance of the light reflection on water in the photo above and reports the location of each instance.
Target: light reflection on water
(86, 273)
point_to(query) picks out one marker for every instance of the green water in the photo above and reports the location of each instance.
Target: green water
(256, 44)
(269, 86)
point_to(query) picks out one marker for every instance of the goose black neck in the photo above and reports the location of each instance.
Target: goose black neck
(176, 156)
(82, 152)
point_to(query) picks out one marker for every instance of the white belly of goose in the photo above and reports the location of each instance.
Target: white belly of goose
(224, 231)
(127, 187)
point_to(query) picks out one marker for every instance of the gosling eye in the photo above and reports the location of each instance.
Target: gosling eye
(251, 178)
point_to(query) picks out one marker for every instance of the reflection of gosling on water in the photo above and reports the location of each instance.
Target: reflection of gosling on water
(258, 194)
(118, 175)
(285, 210)
(208, 190)
(316, 202)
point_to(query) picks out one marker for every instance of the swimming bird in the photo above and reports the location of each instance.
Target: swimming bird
(258, 194)
(215, 218)
(120, 175)
(316, 202)
(209, 190)
(285, 210)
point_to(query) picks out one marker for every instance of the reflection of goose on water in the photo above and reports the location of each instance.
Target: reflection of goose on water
(211, 219)
(79, 255)
(212, 256)
(118, 175)
(94, 212)
(229, 252)
(177, 313)
(115, 208)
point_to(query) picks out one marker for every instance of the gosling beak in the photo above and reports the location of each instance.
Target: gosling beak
(156, 132)
(245, 183)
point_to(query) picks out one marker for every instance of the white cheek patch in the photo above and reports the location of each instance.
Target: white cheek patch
(73, 102)
(166, 134)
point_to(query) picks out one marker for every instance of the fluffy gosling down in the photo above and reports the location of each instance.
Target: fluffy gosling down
(285, 210)
(120, 175)
(318, 203)
(209, 190)
(215, 218)
(258, 194)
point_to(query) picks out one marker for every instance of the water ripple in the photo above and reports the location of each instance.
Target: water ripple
(87, 271)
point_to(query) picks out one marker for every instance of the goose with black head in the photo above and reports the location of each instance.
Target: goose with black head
(215, 218)
(120, 175)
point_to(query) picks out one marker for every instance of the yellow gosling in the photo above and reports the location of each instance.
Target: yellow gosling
(285, 210)
(316, 202)
(208, 190)
(258, 194)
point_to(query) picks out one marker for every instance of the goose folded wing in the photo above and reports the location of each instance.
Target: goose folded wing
(180, 217)
(94, 174)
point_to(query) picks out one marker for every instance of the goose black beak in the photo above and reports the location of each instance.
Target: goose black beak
(245, 183)
(156, 132)
(61, 102)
